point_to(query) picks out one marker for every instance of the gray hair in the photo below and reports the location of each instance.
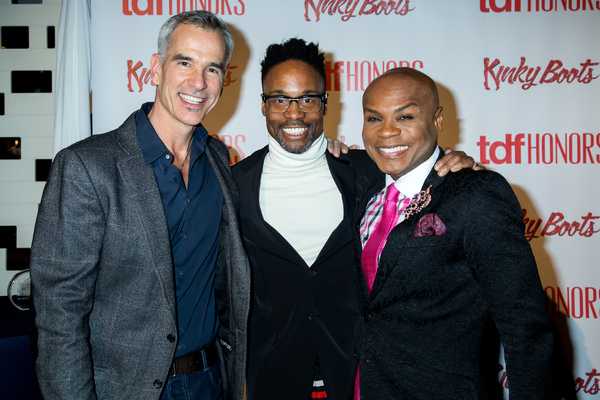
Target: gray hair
(199, 18)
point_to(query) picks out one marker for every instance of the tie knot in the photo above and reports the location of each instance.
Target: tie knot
(392, 194)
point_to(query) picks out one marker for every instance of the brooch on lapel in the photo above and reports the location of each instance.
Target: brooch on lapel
(418, 202)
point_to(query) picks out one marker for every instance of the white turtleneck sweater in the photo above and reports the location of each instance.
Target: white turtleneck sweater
(299, 198)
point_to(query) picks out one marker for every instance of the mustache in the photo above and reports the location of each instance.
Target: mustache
(294, 124)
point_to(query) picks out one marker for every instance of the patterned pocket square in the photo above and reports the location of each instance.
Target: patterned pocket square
(430, 225)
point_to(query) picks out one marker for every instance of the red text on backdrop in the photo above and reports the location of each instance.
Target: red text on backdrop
(142, 77)
(350, 8)
(541, 148)
(360, 73)
(155, 7)
(233, 143)
(528, 76)
(538, 5)
(573, 302)
(557, 225)
(590, 384)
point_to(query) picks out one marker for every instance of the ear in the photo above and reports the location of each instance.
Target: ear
(438, 119)
(325, 109)
(263, 109)
(155, 68)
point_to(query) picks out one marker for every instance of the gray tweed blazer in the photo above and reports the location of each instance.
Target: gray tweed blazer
(102, 275)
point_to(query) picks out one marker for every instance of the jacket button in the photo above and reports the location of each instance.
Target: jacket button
(355, 355)
(312, 272)
(157, 383)
(171, 337)
(310, 317)
(367, 317)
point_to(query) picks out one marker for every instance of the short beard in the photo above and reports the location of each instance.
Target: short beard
(298, 150)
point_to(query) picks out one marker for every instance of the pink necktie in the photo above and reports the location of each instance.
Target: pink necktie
(378, 238)
(374, 246)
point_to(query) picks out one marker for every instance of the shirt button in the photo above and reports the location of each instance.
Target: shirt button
(179, 347)
(157, 383)
(171, 337)
(312, 272)
(168, 156)
(310, 317)
(188, 200)
(180, 273)
(367, 317)
(185, 236)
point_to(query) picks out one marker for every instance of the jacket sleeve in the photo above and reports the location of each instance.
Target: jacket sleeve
(64, 267)
(232, 281)
(503, 261)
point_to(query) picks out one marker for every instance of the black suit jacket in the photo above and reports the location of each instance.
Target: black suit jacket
(298, 312)
(421, 330)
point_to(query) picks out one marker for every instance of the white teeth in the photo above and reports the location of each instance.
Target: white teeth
(191, 99)
(294, 131)
(393, 149)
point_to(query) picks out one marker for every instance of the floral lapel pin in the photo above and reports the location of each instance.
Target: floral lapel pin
(418, 202)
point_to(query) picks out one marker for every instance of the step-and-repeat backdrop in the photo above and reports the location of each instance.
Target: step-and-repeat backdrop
(518, 81)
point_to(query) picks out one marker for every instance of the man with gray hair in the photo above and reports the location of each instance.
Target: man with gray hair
(141, 286)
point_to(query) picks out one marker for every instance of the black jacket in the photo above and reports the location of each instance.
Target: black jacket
(421, 330)
(298, 312)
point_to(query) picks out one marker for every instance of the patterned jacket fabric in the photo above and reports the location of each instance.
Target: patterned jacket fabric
(420, 332)
(102, 275)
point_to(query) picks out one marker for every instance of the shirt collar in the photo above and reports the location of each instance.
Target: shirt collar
(412, 183)
(151, 145)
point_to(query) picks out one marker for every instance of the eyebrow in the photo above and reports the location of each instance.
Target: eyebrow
(412, 103)
(397, 110)
(181, 57)
(304, 92)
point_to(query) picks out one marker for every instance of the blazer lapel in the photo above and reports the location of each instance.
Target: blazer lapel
(344, 177)
(399, 235)
(146, 198)
(222, 171)
(266, 237)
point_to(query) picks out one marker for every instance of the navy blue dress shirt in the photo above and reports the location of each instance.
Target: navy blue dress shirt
(194, 216)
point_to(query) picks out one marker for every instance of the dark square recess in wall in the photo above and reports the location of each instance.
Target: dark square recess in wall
(16, 259)
(51, 36)
(27, 1)
(31, 81)
(10, 148)
(15, 37)
(42, 169)
(8, 237)
(1, 103)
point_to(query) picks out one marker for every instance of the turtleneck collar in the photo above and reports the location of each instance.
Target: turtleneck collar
(311, 158)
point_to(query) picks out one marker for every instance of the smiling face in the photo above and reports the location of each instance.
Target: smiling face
(402, 120)
(294, 129)
(189, 81)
